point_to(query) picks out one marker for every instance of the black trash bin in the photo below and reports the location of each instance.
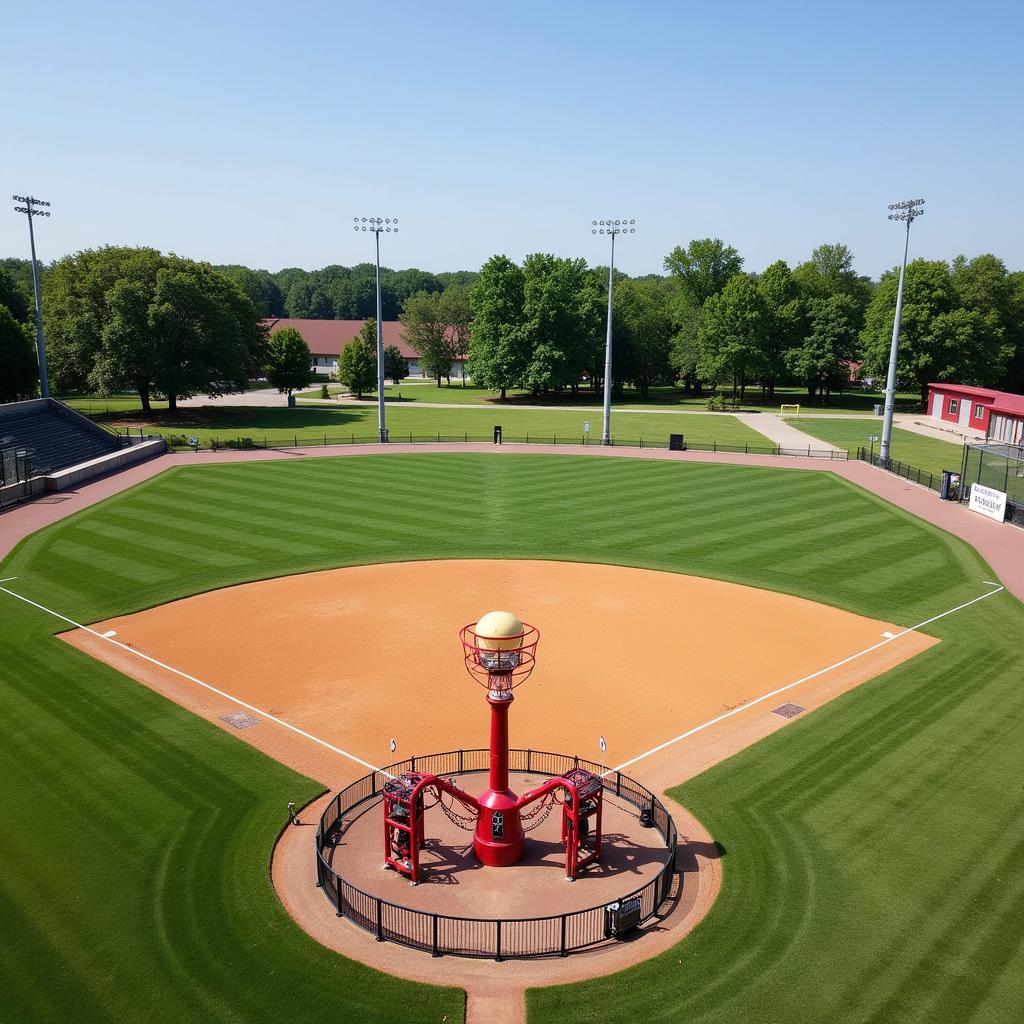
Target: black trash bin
(497, 435)
(676, 443)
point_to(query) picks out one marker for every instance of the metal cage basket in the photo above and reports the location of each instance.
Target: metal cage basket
(499, 669)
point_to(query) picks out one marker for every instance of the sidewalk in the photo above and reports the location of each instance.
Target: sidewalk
(785, 435)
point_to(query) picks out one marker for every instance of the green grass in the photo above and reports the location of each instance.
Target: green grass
(926, 453)
(874, 866)
(312, 423)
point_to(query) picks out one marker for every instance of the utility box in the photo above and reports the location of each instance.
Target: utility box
(621, 917)
(676, 443)
(878, 409)
(497, 435)
(949, 490)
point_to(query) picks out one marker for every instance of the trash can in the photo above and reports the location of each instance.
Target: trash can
(676, 443)
(497, 435)
(878, 409)
(291, 401)
(949, 490)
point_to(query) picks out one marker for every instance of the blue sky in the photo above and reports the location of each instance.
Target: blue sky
(254, 133)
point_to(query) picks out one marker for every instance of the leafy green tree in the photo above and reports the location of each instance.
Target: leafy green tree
(132, 318)
(288, 360)
(731, 334)
(684, 350)
(396, 366)
(703, 268)
(642, 334)
(262, 290)
(830, 271)
(783, 317)
(457, 312)
(560, 323)
(426, 330)
(20, 375)
(821, 360)
(1013, 376)
(498, 349)
(308, 301)
(357, 364)
(15, 296)
(940, 338)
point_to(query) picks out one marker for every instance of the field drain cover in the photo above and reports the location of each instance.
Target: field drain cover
(240, 720)
(789, 710)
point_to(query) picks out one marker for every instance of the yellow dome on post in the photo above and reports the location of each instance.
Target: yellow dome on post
(493, 628)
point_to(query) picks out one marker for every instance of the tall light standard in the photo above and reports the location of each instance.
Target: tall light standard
(377, 225)
(905, 211)
(30, 210)
(613, 228)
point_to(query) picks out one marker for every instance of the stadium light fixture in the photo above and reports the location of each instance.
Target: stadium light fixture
(30, 206)
(613, 228)
(907, 211)
(378, 225)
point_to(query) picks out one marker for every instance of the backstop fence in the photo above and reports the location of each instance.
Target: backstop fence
(999, 466)
(491, 938)
(15, 471)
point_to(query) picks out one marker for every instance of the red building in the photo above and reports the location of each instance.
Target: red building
(997, 414)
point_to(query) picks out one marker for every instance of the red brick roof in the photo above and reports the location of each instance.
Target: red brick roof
(328, 337)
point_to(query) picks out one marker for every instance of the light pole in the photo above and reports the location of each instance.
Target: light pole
(30, 210)
(377, 225)
(613, 228)
(905, 211)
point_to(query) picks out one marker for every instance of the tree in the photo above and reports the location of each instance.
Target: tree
(822, 358)
(15, 296)
(396, 366)
(560, 325)
(498, 351)
(133, 318)
(782, 319)
(425, 329)
(357, 364)
(457, 313)
(703, 268)
(641, 334)
(731, 335)
(940, 339)
(17, 357)
(288, 360)
(262, 290)
(830, 271)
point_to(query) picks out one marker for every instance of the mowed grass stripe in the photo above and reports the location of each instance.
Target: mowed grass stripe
(841, 872)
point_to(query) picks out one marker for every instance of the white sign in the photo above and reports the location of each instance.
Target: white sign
(586, 426)
(873, 438)
(604, 746)
(394, 745)
(988, 501)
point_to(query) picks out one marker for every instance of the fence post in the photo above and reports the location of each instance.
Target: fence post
(641, 440)
(562, 951)
(618, 783)
(380, 921)
(413, 768)
(529, 759)
(434, 951)
(460, 759)
(497, 942)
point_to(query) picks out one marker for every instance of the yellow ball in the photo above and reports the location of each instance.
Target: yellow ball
(494, 627)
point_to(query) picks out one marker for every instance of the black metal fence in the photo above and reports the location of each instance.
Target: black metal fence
(243, 443)
(493, 938)
(924, 477)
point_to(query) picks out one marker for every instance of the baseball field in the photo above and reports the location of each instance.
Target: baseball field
(872, 859)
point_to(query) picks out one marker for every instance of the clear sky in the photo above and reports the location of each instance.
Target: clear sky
(253, 133)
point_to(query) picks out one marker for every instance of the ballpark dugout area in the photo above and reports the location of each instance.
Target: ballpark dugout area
(868, 850)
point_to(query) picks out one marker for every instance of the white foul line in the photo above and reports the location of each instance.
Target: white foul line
(192, 679)
(889, 638)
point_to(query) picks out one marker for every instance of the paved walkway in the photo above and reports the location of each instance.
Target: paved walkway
(785, 435)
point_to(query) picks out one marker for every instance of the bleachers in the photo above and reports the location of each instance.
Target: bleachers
(54, 436)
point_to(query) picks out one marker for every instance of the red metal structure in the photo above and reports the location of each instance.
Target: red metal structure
(499, 652)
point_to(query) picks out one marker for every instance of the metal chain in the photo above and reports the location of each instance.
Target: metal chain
(547, 806)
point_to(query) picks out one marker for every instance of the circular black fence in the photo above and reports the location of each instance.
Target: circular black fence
(496, 938)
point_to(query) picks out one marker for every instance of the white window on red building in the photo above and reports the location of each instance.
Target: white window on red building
(954, 406)
(979, 411)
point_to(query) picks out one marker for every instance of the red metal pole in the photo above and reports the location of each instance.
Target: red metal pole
(498, 840)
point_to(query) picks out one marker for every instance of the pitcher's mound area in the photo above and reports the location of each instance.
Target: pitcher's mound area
(357, 656)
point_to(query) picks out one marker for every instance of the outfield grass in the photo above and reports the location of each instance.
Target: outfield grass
(926, 453)
(873, 868)
(313, 423)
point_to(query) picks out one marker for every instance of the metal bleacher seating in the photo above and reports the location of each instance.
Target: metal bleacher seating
(54, 437)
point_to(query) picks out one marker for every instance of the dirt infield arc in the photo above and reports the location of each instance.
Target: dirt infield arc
(360, 655)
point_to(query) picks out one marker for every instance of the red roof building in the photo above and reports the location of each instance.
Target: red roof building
(998, 414)
(326, 339)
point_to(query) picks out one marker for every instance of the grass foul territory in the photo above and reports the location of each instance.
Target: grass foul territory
(873, 864)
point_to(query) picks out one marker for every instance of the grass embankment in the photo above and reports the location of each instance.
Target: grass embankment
(311, 424)
(874, 867)
(928, 454)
